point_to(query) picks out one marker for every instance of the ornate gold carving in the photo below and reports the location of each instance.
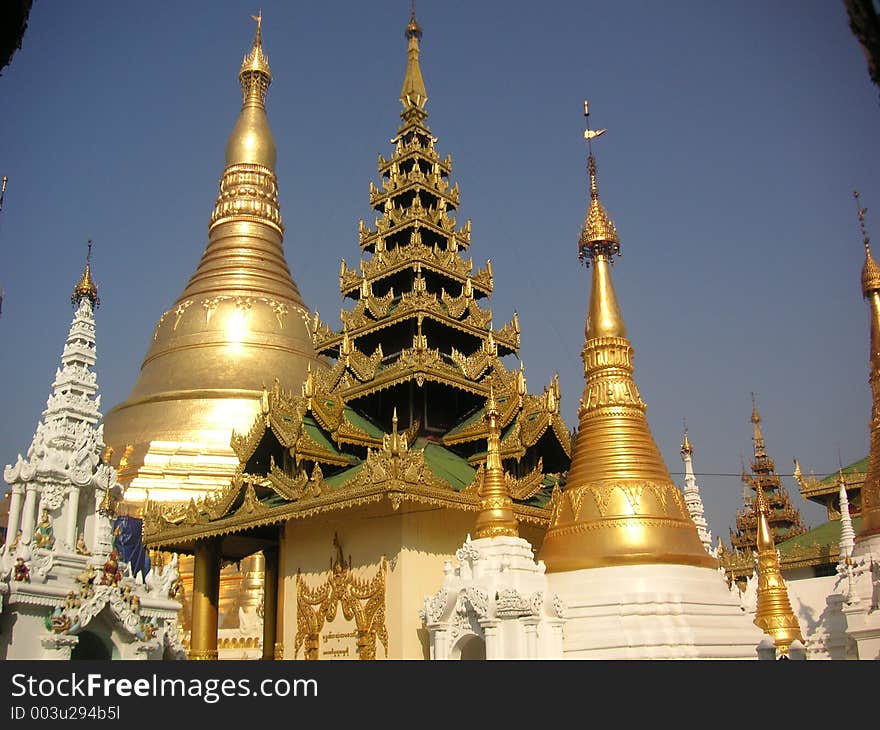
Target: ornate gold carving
(362, 601)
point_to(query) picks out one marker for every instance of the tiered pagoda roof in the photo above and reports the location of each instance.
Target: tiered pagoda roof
(783, 518)
(400, 411)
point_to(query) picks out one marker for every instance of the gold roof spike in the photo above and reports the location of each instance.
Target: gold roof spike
(496, 517)
(240, 322)
(870, 526)
(619, 505)
(757, 436)
(86, 287)
(773, 614)
(413, 94)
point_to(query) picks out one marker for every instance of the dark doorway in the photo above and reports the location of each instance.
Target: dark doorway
(90, 646)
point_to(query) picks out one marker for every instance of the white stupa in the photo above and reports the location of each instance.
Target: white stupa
(65, 591)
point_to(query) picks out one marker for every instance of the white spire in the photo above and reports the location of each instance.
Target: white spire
(847, 533)
(692, 495)
(66, 449)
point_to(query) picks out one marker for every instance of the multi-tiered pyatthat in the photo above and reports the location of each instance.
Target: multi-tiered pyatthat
(619, 505)
(784, 518)
(401, 411)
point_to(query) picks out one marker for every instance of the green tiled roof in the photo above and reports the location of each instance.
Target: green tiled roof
(448, 466)
(337, 480)
(315, 432)
(860, 466)
(477, 415)
(828, 533)
(364, 424)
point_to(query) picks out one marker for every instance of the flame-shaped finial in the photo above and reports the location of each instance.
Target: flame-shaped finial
(85, 288)
(413, 95)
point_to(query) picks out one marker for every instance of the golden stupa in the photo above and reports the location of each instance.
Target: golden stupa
(239, 325)
(773, 612)
(871, 488)
(619, 505)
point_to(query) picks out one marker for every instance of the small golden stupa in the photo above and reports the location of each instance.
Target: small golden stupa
(619, 506)
(773, 614)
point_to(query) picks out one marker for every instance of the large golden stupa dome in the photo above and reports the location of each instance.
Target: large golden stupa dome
(239, 324)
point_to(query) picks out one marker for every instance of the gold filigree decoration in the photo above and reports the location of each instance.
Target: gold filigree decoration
(362, 601)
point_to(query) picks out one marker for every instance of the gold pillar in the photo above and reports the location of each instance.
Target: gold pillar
(279, 603)
(270, 600)
(205, 600)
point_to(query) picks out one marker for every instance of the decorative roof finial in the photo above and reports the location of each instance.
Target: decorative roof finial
(599, 236)
(870, 271)
(413, 29)
(496, 518)
(686, 448)
(254, 74)
(413, 95)
(85, 287)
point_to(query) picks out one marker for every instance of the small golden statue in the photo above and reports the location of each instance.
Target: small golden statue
(44, 537)
(81, 547)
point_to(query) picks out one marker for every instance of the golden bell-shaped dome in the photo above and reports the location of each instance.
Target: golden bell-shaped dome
(239, 324)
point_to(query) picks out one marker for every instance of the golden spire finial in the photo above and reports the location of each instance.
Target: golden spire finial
(599, 235)
(599, 521)
(870, 271)
(85, 288)
(757, 436)
(255, 62)
(686, 448)
(413, 95)
(773, 614)
(496, 518)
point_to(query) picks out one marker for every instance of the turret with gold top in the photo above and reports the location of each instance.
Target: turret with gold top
(496, 507)
(870, 527)
(239, 324)
(773, 614)
(619, 505)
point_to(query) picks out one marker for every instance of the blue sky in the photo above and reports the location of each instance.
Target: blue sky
(736, 135)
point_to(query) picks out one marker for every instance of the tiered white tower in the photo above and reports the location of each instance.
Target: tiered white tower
(692, 496)
(59, 569)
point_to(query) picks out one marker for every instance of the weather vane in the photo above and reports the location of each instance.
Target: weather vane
(259, 19)
(590, 134)
(861, 214)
